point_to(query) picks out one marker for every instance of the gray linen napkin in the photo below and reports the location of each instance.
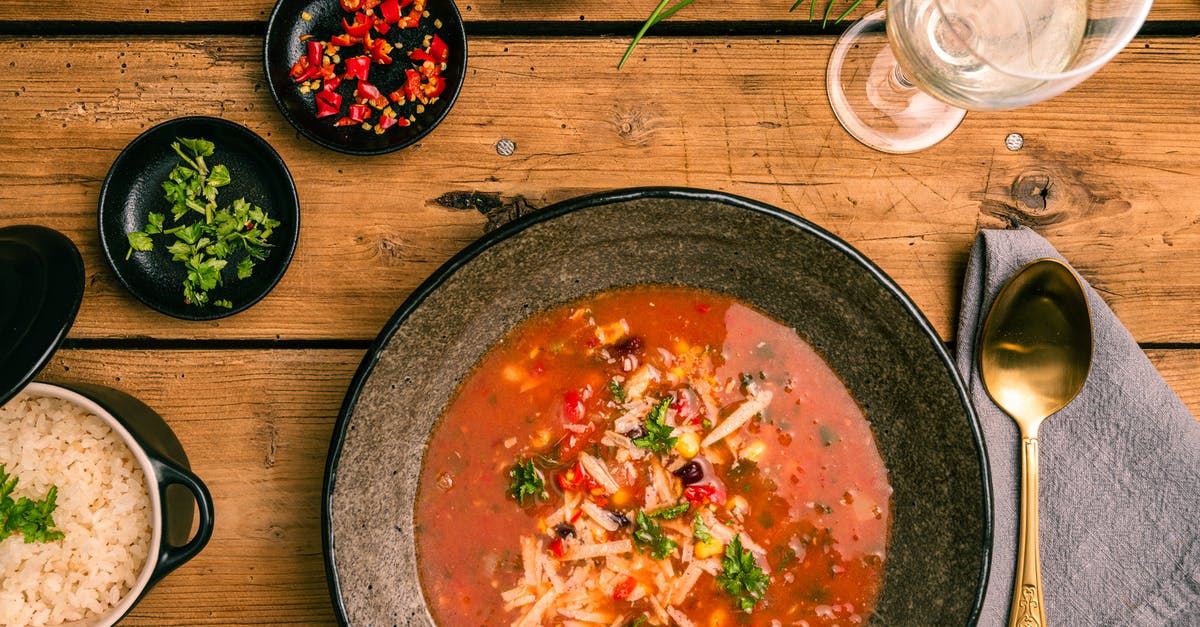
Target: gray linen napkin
(1120, 472)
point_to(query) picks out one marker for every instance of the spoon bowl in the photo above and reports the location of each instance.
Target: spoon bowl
(1034, 357)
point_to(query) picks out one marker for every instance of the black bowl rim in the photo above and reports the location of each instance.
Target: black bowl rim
(454, 16)
(439, 276)
(292, 207)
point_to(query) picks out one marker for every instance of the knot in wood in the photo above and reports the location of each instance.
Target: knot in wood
(1032, 190)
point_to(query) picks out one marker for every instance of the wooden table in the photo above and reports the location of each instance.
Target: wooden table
(728, 96)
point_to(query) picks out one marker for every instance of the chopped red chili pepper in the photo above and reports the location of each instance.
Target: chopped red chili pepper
(357, 67)
(576, 516)
(359, 112)
(412, 86)
(344, 40)
(361, 26)
(386, 121)
(390, 9)
(370, 4)
(700, 494)
(329, 102)
(382, 27)
(439, 49)
(703, 308)
(624, 589)
(420, 56)
(315, 52)
(558, 548)
(331, 83)
(573, 406)
(345, 122)
(434, 87)
(366, 91)
(379, 49)
(351, 5)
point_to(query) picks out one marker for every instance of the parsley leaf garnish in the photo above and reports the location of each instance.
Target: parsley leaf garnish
(618, 391)
(648, 534)
(741, 577)
(658, 434)
(671, 513)
(526, 482)
(32, 519)
(700, 531)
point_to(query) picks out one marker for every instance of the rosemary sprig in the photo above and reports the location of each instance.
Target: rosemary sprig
(661, 12)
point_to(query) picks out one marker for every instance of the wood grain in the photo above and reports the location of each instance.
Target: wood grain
(497, 11)
(256, 427)
(1108, 173)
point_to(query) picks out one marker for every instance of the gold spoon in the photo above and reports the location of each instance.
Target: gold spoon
(1035, 351)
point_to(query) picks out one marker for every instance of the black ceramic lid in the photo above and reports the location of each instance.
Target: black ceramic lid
(41, 286)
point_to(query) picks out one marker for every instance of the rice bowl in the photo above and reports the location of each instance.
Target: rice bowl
(104, 509)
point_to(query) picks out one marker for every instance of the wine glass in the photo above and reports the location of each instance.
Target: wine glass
(948, 56)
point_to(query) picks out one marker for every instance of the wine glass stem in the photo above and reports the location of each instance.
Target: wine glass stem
(900, 80)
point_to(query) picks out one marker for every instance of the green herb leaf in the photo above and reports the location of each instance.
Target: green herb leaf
(526, 482)
(671, 513)
(155, 223)
(245, 268)
(618, 391)
(32, 519)
(658, 434)
(223, 303)
(139, 241)
(648, 535)
(700, 531)
(741, 576)
(219, 177)
(199, 147)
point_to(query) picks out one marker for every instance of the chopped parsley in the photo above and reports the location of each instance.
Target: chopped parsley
(671, 513)
(741, 577)
(618, 391)
(32, 519)
(526, 482)
(648, 535)
(658, 434)
(700, 531)
(204, 245)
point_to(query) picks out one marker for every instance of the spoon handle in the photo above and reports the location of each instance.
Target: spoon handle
(1028, 606)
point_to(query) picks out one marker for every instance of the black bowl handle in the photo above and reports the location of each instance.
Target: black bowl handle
(171, 557)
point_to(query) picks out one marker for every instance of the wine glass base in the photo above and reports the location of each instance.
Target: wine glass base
(873, 101)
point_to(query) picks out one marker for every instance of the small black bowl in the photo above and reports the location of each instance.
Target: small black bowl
(283, 47)
(133, 188)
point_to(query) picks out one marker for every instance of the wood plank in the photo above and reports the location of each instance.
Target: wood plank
(261, 448)
(496, 11)
(256, 428)
(1119, 158)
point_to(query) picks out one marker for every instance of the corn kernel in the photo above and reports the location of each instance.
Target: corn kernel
(753, 451)
(688, 445)
(540, 439)
(620, 498)
(705, 550)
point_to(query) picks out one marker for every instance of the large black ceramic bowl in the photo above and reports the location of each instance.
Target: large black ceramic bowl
(860, 321)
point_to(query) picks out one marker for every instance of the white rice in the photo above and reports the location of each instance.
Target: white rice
(103, 510)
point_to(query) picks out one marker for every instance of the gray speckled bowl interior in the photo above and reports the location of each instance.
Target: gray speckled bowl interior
(868, 331)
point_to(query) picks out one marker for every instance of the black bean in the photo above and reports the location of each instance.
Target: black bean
(619, 517)
(564, 530)
(690, 473)
(629, 346)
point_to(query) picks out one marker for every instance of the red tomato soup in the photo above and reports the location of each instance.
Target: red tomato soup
(652, 456)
